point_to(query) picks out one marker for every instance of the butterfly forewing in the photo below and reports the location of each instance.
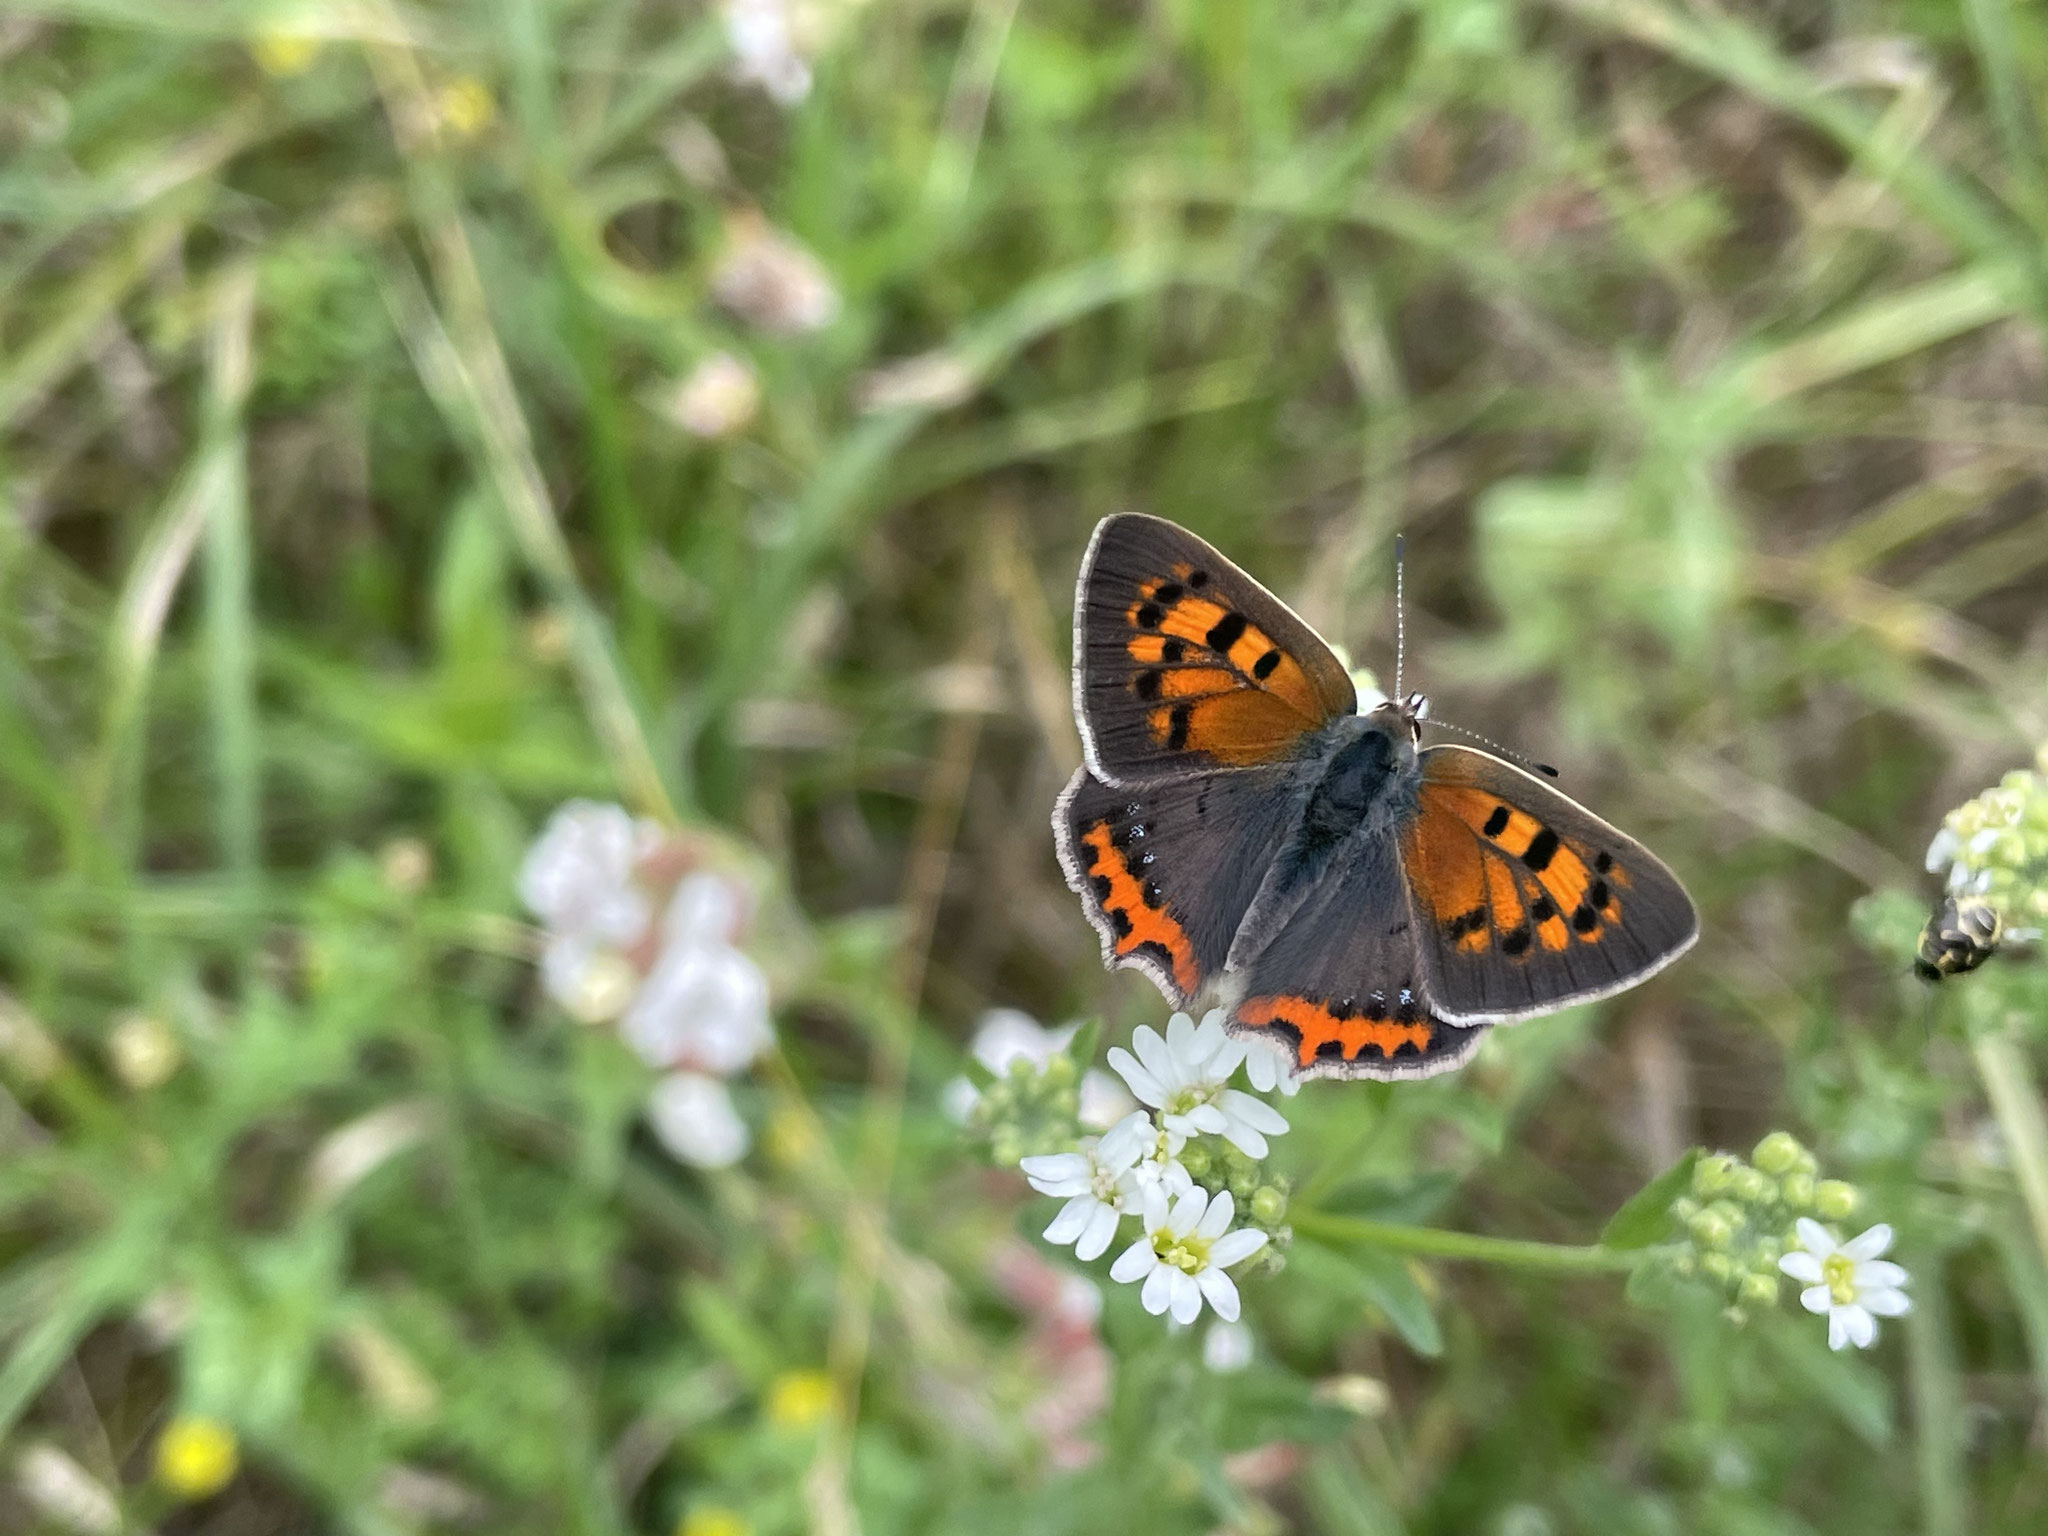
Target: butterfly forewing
(1524, 900)
(1182, 662)
(1166, 870)
(1341, 988)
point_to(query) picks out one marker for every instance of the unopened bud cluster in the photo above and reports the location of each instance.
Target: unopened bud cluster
(1738, 1219)
(1260, 1196)
(1996, 846)
(1030, 1109)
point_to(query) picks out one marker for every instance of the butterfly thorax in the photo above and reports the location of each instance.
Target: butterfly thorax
(1359, 775)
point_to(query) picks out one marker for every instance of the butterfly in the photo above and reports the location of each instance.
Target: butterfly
(1239, 830)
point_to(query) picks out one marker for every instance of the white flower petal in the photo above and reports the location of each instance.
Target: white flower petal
(1175, 1179)
(1187, 1212)
(1216, 1219)
(1801, 1266)
(958, 1098)
(1869, 1245)
(1162, 1063)
(1880, 1274)
(1227, 1346)
(1815, 1298)
(1222, 1293)
(1262, 1069)
(1135, 1262)
(1207, 1038)
(1838, 1328)
(1153, 1208)
(1813, 1237)
(1224, 1060)
(1104, 1100)
(1886, 1302)
(1157, 1295)
(1235, 1247)
(1055, 1167)
(1245, 1139)
(1207, 1120)
(1859, 1324)
(694, 1118)
(1144, 1085)
(1256, 1113)
(1187, 1298)
(1072, 1220)
(1125, 1142)
(1095, 1238)
(1180, 1030)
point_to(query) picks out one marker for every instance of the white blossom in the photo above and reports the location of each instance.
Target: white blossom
(1849, 1281)
(1102, 1181)
(578, 875)
(1181, 1259)
(593, 984)
(1186, 1076)
(694, 1118)
(1227, 1347)
(1268, 1065)
(719, 398)
(705, 1006)
(763, 42)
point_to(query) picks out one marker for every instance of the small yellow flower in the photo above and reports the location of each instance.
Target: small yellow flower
(196, 1457)
(791, 1139)
(713, 1520)
(465, 106)
(281, 55)
(798, 1399)
(144, 1050)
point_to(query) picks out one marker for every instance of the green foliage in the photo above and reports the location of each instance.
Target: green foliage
(350, 520)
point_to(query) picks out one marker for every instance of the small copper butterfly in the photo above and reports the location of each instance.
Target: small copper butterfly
(1239, 831)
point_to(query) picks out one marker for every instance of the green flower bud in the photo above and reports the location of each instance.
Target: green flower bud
(1717, 1267)
(1710, 1229)
(1798, 1191)
(1711, 1175)
(1778, 1153)
(1244, 1178)
(1768, 1251)
(1060, 1071)
(1735, 1317)
(1006, 1148)
(1268, 1205)
(1758, 1289)
(1684, 1265)
(1749, 1186)
(1195, 1158)
(1684, 1208)
(1835, 1200)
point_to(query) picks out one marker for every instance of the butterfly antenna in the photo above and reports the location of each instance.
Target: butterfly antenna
(1400, 613)
(1498, 750)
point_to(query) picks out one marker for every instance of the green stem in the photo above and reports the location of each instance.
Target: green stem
(1435, 1242)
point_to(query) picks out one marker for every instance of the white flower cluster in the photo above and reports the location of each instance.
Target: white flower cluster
(1996, 847)
(687, 1000)
(1135, 1168)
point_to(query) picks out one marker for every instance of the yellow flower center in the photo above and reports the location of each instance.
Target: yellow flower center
(1838, 1274)
(798, 1399)
(1189, 1254)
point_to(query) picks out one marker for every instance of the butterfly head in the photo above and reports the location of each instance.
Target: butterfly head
(1402, 717)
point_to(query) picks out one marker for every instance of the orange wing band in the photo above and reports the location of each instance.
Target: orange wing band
(1315, 1026)
(1136, 919)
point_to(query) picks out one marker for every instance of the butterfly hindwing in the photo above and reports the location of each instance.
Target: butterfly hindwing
(1341, 988)
(1182, 662)
(1166, 870)
(1524, 900)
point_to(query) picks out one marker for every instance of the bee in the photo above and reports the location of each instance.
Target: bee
(1963, 933)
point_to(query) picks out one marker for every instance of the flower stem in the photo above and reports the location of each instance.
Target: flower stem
(1435, 1242)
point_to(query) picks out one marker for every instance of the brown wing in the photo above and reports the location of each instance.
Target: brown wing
(1525, 901)
(1182, 662)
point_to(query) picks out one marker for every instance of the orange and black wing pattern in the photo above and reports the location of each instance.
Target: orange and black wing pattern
(1183, 663)
(1166, 871)
(1524, 900)
(1341, 988)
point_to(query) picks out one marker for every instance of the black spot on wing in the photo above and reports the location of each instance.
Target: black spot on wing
(1224, 633)
(1541, 850)
(1497, 823)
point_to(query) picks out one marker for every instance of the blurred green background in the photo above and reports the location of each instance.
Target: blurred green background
(412, 417)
